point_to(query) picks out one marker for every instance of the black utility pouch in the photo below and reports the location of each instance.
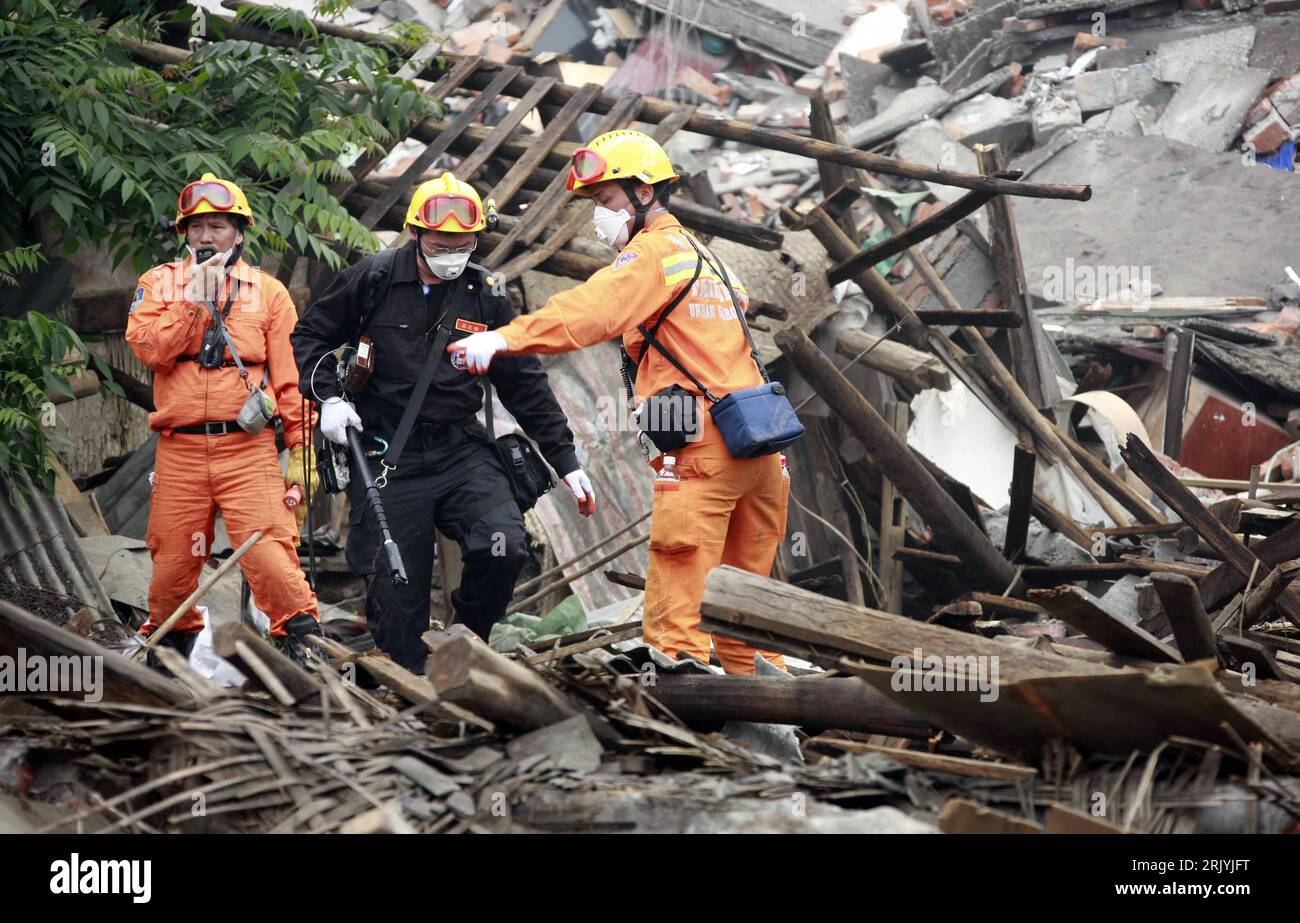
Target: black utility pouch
(528, 475)
(670, 418)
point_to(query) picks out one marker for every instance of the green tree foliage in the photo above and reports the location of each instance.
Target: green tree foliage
(38, 356)
(102, 141)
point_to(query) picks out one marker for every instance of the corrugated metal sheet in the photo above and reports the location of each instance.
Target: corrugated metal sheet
(42, 567)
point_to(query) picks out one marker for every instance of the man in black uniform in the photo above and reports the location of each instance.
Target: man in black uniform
(449, 476)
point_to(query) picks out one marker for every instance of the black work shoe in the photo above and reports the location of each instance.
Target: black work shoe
(182, 642)
(294, 644)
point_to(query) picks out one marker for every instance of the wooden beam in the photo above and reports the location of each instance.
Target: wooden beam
(893, 520)
(122, 680)
(1030, 363)
(502, 130)
(941, 220)
(971, 317)
(543, 211)
(574, 106)
(1178, 382)
(1083, 611)
(1187, 617)
(739, 604)
(833, 176)
(1225, 580)
(830, 703)
(415, 170)
(895, 460)
(1022, 502)
(468, 673)
(729, 129)
(1146, 466)
(916, 369)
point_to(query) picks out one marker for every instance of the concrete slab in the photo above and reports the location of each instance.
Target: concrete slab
(927, 143)
(1054, 114)
(908, 107)
(1199, 222)
(1218, 52)
(952, 43)
(861, 78)
(1210, 108)
(1106, 89)
(1277, 48)
(988, 119)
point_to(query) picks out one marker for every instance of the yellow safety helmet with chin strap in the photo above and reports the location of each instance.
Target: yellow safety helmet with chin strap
(211, 195)
(449, 204)
(622, 154)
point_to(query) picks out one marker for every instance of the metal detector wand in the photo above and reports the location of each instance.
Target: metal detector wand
(362, 469)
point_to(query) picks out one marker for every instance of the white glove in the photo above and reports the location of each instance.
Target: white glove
(580, 484)
(336, 415)
(478, 350)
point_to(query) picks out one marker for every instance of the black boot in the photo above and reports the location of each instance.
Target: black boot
(294, 643)
(182, 642)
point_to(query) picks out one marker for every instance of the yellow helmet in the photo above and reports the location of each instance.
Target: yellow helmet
(211, 195)
(447, 204)
(622, 154)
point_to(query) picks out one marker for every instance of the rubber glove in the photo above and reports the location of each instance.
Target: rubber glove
(336, 415)
(583, 492)
(478, 350)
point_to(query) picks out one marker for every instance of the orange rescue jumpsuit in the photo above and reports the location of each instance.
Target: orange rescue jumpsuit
(237, 473)
(727, 510)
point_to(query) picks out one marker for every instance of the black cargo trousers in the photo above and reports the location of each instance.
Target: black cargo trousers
(450, 479)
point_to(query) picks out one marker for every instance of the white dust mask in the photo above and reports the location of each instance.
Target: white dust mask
(611, 226)
(447, 265)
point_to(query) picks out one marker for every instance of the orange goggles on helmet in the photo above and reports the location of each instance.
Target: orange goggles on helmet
(218, 195)
(587, 166)
(437, 210)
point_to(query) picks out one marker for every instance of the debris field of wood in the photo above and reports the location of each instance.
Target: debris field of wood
(1043, 525)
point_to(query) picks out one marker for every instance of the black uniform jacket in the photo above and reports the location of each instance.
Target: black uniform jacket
(402, 329)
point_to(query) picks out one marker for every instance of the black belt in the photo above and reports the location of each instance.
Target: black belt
(225, 363)
(210, 429)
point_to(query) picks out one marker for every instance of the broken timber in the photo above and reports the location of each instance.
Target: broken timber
(954, 528)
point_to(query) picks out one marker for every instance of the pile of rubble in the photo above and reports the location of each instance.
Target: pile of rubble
(1042, 528)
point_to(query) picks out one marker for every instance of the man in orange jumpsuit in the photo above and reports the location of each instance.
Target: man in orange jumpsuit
(206, 461)
(726, 510)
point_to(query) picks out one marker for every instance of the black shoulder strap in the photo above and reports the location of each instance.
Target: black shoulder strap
(379, 276)
(721, 270)
(652, 340)
(446, 323)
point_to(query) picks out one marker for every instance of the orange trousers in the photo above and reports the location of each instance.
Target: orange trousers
(239, 474)
(726, 511)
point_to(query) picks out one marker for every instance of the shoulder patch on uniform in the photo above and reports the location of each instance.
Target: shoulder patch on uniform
(139, 297)
(624, 258)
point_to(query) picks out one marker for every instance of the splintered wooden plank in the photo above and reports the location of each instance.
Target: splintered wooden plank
(1193, 632)
(514, 179)
(501, 131)
(1084, 611)
(1145, 465)
(777, 616)
(1022, 502)
(396, 189)
(542, 212)
(122, 680)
